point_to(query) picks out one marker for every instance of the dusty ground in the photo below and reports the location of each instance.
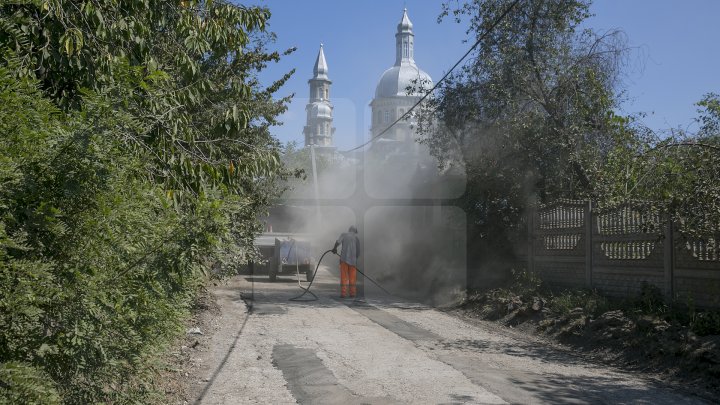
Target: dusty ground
(632, 338)
(181, 371)
(383, 351)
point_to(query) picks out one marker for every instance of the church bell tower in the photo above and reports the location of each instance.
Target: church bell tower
(318, 129)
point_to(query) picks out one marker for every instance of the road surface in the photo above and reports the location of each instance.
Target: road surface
(387, 351)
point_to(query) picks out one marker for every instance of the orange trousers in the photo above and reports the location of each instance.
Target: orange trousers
(348, 276)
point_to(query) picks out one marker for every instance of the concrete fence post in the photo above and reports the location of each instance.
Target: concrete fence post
(588, 244)
(531, 238)
(668, 259)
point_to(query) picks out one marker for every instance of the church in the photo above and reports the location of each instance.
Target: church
(393, 98)
(417, 233)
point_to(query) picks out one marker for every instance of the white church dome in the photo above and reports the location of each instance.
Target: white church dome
(396, 80)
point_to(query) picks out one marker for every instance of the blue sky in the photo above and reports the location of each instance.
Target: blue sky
(675, 57)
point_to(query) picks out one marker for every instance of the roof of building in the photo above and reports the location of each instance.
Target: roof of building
(396, 81)
(321, 69)
(405, 74)
(405, 25)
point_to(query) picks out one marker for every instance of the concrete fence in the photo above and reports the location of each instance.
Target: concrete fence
(618, 249)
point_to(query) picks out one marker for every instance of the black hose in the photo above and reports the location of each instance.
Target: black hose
(373, 281)
(307, 290)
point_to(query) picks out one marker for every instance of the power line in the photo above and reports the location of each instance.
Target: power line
(472, 48)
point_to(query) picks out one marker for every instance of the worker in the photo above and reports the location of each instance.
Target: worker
(348, 261)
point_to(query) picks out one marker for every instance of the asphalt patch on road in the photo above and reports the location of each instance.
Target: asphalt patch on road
(268, 309)
(310, 382)
(393, 323)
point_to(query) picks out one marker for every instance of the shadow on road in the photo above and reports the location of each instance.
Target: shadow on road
(563, 389)
(522, 387)
(517, 348)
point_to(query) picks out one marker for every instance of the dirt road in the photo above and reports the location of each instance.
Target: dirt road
(384, 351)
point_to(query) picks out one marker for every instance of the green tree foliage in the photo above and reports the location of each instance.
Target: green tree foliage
(678, 172)
(134, 153)
(709, 119)
(530, 117)
(299, 160)
(191, 82)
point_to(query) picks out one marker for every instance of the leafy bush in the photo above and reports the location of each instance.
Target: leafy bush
(22, 383)
(526, 283)
(95, 267)
(120, 185)
(706, 323)
(651, 300)
(590, 301)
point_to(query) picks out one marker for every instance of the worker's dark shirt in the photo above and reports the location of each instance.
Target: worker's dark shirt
(350, 248)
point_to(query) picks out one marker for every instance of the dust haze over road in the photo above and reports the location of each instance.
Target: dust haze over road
(387, 350)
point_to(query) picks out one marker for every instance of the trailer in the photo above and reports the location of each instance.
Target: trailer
(286, 254)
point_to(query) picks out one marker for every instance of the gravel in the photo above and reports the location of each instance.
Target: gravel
(388, 351)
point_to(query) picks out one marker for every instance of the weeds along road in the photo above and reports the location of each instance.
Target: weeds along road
(385, 351)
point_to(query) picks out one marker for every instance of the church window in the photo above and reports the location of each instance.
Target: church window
(319, 93)
(406, 50)
(327, 94)
(327, 128)
(387, 116)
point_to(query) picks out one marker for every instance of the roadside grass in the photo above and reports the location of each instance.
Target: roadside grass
(526, 289)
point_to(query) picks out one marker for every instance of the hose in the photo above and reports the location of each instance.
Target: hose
(297, 264)
(307, 290)
(373, 281)
(297, 272)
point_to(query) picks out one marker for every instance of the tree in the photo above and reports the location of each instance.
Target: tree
(709, 117)
(190, 98)
(135, 153)
(530, 117)
(676, 172)
(189, 69)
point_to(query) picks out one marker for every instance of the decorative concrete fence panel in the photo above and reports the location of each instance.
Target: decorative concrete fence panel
(627, 250)
(617, 250)
(696, 266)
(559, 243)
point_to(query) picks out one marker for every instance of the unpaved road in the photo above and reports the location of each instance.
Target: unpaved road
(385, 351)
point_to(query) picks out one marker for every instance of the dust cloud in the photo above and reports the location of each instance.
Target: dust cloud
(413, 236)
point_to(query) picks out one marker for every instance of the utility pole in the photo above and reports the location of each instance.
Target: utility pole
(316, 187)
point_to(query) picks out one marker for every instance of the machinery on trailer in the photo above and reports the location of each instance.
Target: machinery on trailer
(286, 254)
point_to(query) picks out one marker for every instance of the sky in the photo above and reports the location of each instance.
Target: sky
(675, 56)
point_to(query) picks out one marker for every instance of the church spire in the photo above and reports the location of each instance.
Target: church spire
(318, 129)
(320, 70)
(404, 42)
